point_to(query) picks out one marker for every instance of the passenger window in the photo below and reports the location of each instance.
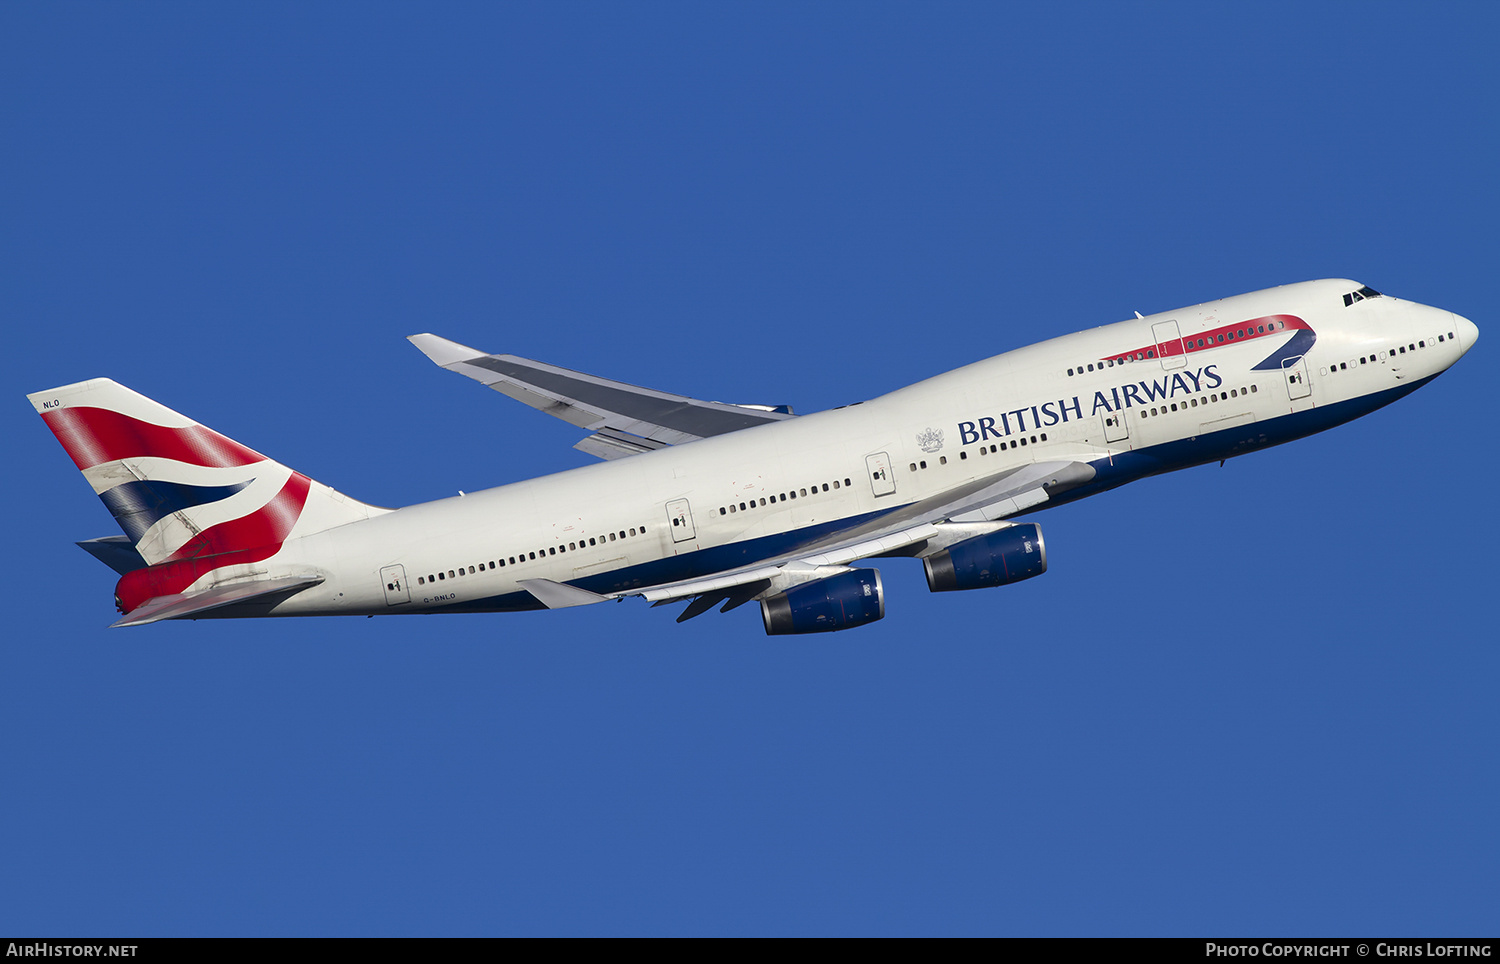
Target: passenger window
(632, 532)
(924, 465)
(942, 460)
(962, 456)
(611, 537)
(804, 492)
(421, 581)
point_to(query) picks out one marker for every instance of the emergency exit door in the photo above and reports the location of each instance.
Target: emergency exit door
(394, 579)
(878, 467)
(680, 516)
(1295, 372)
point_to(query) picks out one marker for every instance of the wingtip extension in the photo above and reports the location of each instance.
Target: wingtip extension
(443, 351)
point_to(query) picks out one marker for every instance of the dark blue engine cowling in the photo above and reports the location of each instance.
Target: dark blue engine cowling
(1010, 555)
(849, 599)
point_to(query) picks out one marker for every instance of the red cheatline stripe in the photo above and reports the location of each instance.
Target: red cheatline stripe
(1275, 324)
(266, 526)
(93, 436)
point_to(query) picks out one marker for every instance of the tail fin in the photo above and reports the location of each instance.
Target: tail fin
(179, 490)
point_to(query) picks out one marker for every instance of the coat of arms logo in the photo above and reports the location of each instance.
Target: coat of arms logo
(931, 439)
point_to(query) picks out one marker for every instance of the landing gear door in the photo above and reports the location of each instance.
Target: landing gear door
(878, 467)
(1295, 372)
(1169, 344)
(680, 515)
(394, 579)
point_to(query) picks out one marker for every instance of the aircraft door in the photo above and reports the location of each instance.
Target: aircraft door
(1115, 429)
(680, 515)
(879, 468)
(394, 578)
(1169, 344)
(1295, 372)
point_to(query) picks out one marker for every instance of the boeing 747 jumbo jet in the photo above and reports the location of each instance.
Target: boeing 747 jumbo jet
(715, 503)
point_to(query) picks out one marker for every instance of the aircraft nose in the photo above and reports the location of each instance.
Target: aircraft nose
(1467, 331)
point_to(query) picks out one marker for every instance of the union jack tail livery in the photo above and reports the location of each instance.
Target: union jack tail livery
(200, 510)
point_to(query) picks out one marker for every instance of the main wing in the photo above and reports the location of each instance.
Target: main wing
(624, 419)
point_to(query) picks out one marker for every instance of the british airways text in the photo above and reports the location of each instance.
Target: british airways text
(1184, 382)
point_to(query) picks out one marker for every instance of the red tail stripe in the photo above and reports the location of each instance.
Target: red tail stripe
(266, 526)
(257, 536)
(169, 578)
(93, 436)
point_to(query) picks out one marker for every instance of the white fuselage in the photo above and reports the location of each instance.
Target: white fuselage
(677, 512)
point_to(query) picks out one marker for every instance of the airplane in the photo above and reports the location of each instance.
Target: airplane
(721, 504)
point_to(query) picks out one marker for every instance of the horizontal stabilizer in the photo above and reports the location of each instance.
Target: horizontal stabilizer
(626, 419)
(178, 606)
(116, 552)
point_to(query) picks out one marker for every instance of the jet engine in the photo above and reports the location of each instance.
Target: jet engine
(997, 559)
(848, 599)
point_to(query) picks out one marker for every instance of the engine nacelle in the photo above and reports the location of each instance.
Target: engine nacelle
(998, 559)
(843, 601)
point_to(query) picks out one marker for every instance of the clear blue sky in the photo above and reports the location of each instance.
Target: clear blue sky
(1256, 699)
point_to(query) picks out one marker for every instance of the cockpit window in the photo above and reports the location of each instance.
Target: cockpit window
(1360, 295)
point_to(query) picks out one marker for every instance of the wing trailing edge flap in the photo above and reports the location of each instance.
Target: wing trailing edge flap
(559, 595)
(216, 597)
(625, 419)
(983, 501)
